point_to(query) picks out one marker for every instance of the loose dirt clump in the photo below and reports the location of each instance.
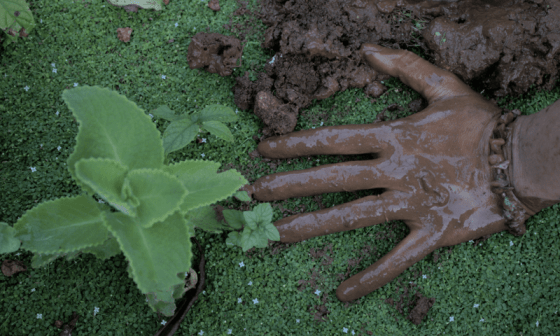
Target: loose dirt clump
(215, 53)
(502, 46)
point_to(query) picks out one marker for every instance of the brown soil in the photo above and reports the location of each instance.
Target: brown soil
(503, 47)
(215, 53)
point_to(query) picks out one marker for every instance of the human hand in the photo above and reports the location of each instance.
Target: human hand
(433, 167)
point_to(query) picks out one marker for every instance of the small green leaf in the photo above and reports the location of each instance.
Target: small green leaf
(179, 134)
(272, 232)
(250, 239)
(8, 243)
(242, 196)
(217, 113)
(234, 218)
(233, 239)
(165, 113)
(251, 219)
(218, 129)
(438, 34)
(264, 213)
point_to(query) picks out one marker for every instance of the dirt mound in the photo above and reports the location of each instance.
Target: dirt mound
(504, 46)
(215, 53)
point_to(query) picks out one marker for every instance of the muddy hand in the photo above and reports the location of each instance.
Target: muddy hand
(432, 166)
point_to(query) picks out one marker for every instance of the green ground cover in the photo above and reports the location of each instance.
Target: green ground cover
(505, 285)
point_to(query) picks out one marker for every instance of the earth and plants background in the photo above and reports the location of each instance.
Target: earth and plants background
(501, 285)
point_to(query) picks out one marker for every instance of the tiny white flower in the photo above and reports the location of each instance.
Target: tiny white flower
(537, 324)
(451, 319)
(510, 243)
(40, 316)
(41, 20)
(163, 76)
(57, 113)
(202, 155)
(18, 254)
(471, 241)
(96, 310)
(33, 289)
(255, 301)
(297, 321)
(250, 283)
(239, 300)
(381, 82)
(321, 123)
(75, 84)
(41, 145)
(33, 169)
(476, 305)
(317, 292)
(54, 70)
(163, 322)
(345, 330)
(481, 320)
(272, 59)
(353, 333)
(204, 140)
(203, 292)
(313, 127)
(317, 160)
(236, 111)
(52, 64)
(201, 332)
(26, 88)
(58, 148)
(241, 264)
(424, 276)
(176, 24)
(229, 331)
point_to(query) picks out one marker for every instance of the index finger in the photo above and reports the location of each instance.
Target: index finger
(432, 82)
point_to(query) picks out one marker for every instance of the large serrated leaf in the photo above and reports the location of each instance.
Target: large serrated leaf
(159, 194)
(179, 134)
(205, 186)
(61, 226)
(156, 254)
(108, 249)
(41, 260)
(106, 177)
(8, 243)
(205, 218)
(217, 113)
(218, 129)
(112, 127)
(9, 21)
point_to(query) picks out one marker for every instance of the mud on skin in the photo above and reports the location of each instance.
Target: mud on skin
(504, 46)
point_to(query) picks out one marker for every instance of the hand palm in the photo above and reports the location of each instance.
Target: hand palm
(433, 167)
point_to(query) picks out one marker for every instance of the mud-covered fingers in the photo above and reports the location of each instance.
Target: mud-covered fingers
(432, 82)
(332, 140)
(409, 251)
(367, 211)
(329, 178)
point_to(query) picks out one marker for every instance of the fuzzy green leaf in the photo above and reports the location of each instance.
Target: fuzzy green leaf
(106, 177)
(156, 254)
(60, 226)
(250, 239)
(159, 194)
(218, 129)
(179, 134)
(41, 260)
(111, 127)
(205, 186)
(205, 218)
(234, 239)
(166, 113)
(264, 213)
(234, 218)
(251, 219)
(271, 232)
(108, 249)
(217, 113)
(8, 243)
(242, 196)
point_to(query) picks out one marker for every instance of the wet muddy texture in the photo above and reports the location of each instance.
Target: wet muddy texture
(502, 46)
(448, 172)
(215, 53)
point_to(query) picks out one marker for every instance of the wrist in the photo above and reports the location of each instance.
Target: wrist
(535, 158)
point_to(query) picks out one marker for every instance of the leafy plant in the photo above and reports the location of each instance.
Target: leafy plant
(15, 17)
(119, 156)
(258, 227)
(184, 128)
